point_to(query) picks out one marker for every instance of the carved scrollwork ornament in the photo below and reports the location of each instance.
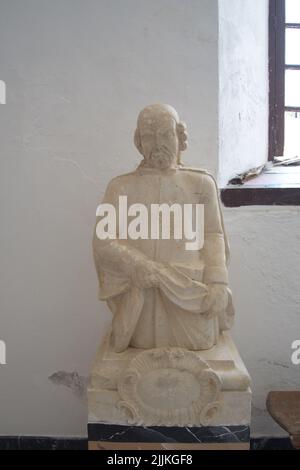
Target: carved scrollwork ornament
(169, 386)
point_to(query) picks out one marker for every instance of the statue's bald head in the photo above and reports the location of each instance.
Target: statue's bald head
(160, 136)
(157, 113)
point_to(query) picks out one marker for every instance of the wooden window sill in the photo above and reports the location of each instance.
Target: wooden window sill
(279, 186)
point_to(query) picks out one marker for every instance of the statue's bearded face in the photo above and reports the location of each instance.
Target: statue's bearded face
(159, 140)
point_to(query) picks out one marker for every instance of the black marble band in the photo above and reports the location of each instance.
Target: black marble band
(206, 434)
(71, 443)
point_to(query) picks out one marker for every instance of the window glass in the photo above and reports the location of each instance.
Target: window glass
(292, 134)
(292, 11)
(292, 88)
(292, 46)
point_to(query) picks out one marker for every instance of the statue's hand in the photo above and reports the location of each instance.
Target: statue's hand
(145, 276)
(218, 294)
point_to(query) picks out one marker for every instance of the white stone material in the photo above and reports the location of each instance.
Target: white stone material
(167, 360)
(234, 408)
(208, 387)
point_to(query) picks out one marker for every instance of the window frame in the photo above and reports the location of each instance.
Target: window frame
(277, 68)
(276, 77)
(280, 193)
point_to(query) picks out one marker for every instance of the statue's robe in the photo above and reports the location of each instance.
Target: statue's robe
(176, 313)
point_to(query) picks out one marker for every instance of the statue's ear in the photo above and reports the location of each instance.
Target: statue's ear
(182, 136)
(137, 141)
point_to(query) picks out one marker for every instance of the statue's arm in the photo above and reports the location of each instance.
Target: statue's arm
(214, 256)
(116, 256)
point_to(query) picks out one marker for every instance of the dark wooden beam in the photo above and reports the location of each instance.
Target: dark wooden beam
(241, 196)
(295, 109)
(292, 25)
(276, 77)
(292, 67)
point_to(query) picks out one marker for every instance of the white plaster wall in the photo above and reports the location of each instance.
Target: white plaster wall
(77, 73)
(265, 279)
(243, 86)
(265, 250)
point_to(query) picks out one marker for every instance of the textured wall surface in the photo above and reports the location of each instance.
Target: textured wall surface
(265, 278)
(265, 272)
(77, 74)
(243, 86)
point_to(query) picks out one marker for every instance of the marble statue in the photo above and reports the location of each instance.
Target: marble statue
(168, 359)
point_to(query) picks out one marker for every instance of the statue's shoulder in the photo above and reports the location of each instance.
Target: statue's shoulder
(121, 178)
(118, 184)
(207, 178)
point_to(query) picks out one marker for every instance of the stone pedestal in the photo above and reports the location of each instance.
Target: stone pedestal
(169, 397)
